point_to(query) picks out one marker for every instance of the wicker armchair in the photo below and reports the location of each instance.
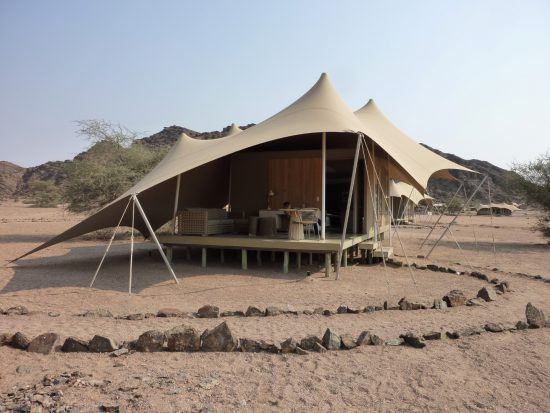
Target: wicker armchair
(203, 221)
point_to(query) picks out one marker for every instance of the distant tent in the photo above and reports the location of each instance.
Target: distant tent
(496, 209)
(404, 199)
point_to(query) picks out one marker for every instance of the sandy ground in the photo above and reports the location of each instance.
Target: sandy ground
(508, 372)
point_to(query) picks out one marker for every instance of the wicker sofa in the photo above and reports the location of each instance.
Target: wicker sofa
(204, 221)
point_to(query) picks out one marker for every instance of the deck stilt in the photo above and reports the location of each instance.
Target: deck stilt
(272, 256)
(345, 258)
(169, 253)
(222, 256)
(327, 264)
(285, 262)
(299, 260)
(310, 258)
(259, 258)
(244, 259)
(203, 258)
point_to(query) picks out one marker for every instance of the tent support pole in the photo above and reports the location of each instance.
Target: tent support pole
(350, 195)
(131, 248)
(152, 233)
(441, 215)
(323, 184)
(456, 216)
(176, 200)
(109, 244)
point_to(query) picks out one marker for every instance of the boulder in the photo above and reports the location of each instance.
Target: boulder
(432, 267)
(331, 340)
(183, 338)
(232, 314)
(494, 328)
(508, 327)
(369, 309)
(472, 331)
(289, 309)
(395, 342)
(306, 312)
(150, 341)
(319, 310)
(364, 338)
(487, 294)
(327, 313)
(455, 298)
(102, 344)
(248, 345)
(44, 343)
(20, 341)
(74, 345)
(270, 346)
(353, 310)
(272, 311)
(53, 314)
(5, 338)
(413, 340)
(98, 312)
(318, 348)
(170, 312)
(254, 312)
(376, 341)
(208, 311)
(432, 335)
(535, 317)
(135, 316)
(220, 338)
(348, 342)
(343, 309)
(501, 287)
(308, 342)
(405, 304)
(453, 334)
(440, 304)
(17, 310)
(479, 275)
(388, 306)
(289, 345)
(442, 269)
(522, 325)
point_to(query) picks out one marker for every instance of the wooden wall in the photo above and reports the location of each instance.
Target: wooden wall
(296, 180)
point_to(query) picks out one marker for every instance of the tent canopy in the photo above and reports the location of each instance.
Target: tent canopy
(402, 189)
(203, 163)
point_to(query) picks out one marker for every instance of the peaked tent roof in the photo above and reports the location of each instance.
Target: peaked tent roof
(399, 189)
(233, 130)
(418, 161)
(320, 109)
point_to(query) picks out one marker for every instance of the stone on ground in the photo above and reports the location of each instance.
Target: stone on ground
(307, 343)
(17, 310)
(413, 340)
(44, 343)
(522, 325)
(432, 335)
(343, 309)
(249, 345)
(254, 312)
(102, 344)
(289, 345)
(494, 328)
(20, 341)
(208, 311)
(453, 334)
(170, 312)
(405, 304)
(318, 348)
(220, 338)
(535, 316)
(364, 339)
(487, 294)
(476, 302)
(440, 304)
(98, 312)
(150, 341)
(394, 342)
(376, 341)
(455, 298)
(272, 311)
(74, 345)
(331, 340)
(183, 338)
(348, 342)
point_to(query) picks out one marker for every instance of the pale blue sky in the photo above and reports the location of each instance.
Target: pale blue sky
(467, 77)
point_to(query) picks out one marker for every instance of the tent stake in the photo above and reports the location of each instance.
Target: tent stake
(131, 248)
(109, 245)
(456, 216)
(152, 233)
(350, 195)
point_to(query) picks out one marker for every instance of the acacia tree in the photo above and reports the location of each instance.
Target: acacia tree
(532, 180)
(112, 164)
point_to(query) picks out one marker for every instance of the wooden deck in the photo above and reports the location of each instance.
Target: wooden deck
(329, 247)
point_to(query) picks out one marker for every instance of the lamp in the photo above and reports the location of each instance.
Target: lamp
(270, 195)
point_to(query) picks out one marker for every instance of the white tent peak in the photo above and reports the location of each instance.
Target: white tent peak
(233, 130)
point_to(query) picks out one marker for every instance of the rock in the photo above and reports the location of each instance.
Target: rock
(494, 281)
(388, 306)
(501, 287)
(451, 270)
(327, 313)
(432, 267)
(248, 345)
(120, 352)
(183, 338)
(506, 284)
(318, 348)
(270, 346)
(440, 304)
(232, 314)
(494, 328)
(394, 342)
(353, 310)
(474, 302)
(522, 325)
(135, 317)
(432, 335)
(472, 331)
(5, 339)
(170, 312)
(364, 339)
(369, 309)
(289, 345)
(404, 304)
(442, 269)
(413, 340)
(53, 314)
(23, 369)
(455, 298)
(300, 351)
(74, 345)
(319, 310)
(289, 310)
(487, 294)
(98, 312)
(421, 267)
(17, 310)
(150, 341)
(43, 344)
(376, 341)
(20, 341)
(220, 338)
(378, 308)
(102, 344)
(208, 311)
(272, 311)
(348, 342)
(453, 335)
(254, 312)
(343, 309)
(110, 408)
(331, 340)
(508, 327)
(308, 342)
(479, 275)
(306, 312)
(535, 317)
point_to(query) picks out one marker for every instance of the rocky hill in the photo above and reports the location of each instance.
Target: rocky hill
(14, 180)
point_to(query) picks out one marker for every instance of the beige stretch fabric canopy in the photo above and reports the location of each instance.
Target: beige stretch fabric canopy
(399, 189)
(201, 162)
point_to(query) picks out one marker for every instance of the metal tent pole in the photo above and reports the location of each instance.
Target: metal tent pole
(456, 216)
(110, 243)
(131, 247)
(152, 233)
(176, 200)
(350, 195)
(323, 183)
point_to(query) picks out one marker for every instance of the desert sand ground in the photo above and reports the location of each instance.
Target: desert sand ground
(506, 372)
